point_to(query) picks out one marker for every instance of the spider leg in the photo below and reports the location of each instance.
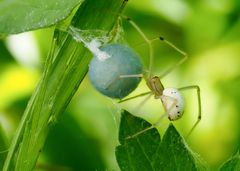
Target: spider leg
(172, 105)
(197, 88)
(122, 77)
(133, 97)
(141, 104)
(159, 120)
(184, 56)
(146, 40)
(149, 128)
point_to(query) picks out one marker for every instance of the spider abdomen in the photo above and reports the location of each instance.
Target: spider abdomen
(173, 103)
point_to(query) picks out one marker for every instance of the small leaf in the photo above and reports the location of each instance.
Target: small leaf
(232, 164)
(136, 153)
(23, 15)
(174, 154)
(147, 152)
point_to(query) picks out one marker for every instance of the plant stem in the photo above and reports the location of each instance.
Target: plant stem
(64, 70)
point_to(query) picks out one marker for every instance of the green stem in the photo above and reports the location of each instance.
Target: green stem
(63, 73)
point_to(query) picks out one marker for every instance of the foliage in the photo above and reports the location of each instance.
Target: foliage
(148, 152)
(232, 164)
(33, 14)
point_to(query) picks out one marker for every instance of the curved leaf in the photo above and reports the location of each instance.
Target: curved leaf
(23, 15)
(232, 164)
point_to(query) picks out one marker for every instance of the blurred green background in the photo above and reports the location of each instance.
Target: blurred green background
(86, 136)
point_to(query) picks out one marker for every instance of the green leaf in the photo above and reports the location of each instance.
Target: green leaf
(233, 164)
(174, 153)
(64, 70)
(137, 153)
(147, 152)
(3, 146)
(23, 15)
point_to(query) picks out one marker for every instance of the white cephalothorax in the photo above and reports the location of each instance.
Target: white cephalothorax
(173, 103)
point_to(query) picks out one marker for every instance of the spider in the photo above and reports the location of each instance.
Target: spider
(116, 69)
